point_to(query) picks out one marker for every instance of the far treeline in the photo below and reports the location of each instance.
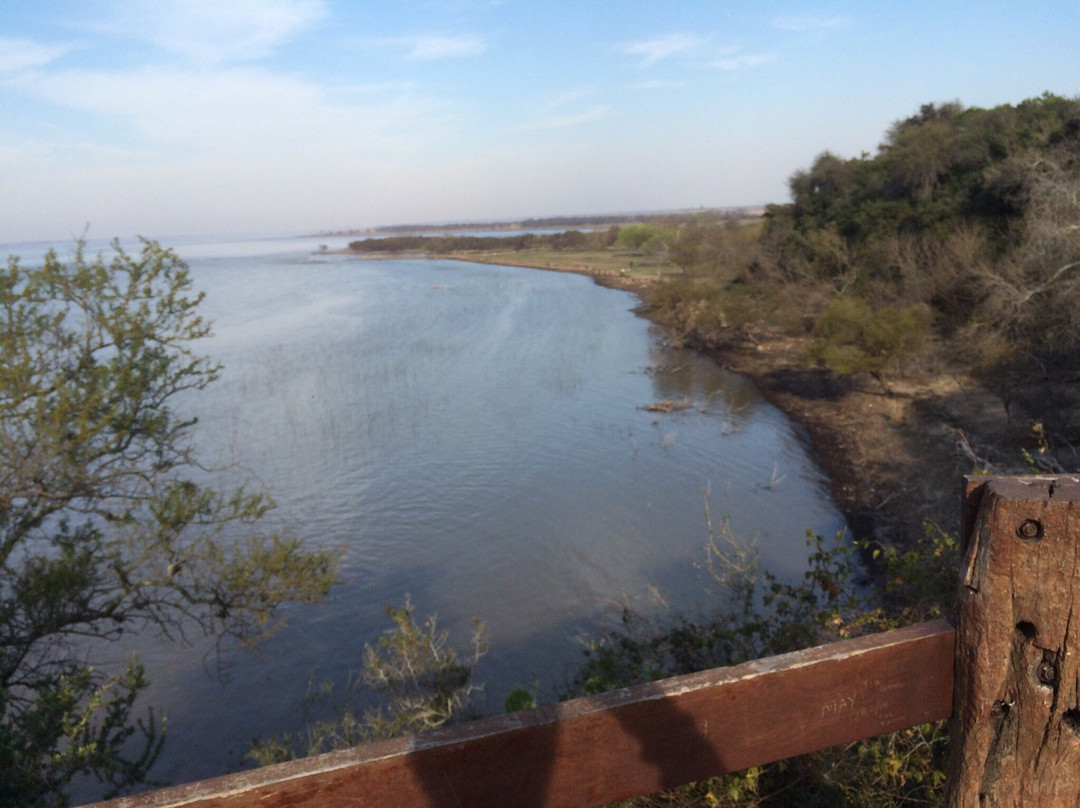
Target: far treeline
(440, 245)
(649, 234)
(548, 222)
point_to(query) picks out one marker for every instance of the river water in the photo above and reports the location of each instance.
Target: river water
(474, 437)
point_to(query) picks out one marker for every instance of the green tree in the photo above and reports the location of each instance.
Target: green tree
(650, 237)
(107, 524)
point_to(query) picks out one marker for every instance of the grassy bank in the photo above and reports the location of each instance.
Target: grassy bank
(636, 267)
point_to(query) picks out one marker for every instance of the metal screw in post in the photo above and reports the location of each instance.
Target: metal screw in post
(1030, 530)
(1046, 672)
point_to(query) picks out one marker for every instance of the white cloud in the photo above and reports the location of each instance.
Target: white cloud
(431, 48)
(656, 84)
(743, 61)
(210, 33)
(243, 113)
(568, 97)
(428, 48)
(17, 55)
(652, 51)
(593, 113)
(809, 24)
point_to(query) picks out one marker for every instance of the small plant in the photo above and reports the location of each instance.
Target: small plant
(519, 699)
(421, 681)
(761, 615)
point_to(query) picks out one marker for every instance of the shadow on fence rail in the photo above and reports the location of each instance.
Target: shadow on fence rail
(1015, 736)
(637, 740)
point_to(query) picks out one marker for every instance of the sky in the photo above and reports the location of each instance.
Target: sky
(281, 117)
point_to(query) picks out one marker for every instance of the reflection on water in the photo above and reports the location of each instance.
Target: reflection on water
(476, 437)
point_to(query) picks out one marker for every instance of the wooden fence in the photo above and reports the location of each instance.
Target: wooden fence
(1015, 736)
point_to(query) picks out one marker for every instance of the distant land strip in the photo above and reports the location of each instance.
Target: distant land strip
(553, 222)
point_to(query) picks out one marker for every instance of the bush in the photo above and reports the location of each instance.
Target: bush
(649, 237)
(422, 683)
(706, 313)
(853, 337)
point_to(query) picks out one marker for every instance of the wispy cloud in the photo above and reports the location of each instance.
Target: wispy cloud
(241, 113)
(566, 98)
(656, 84)
(655, 50)
(219, 100)
(429, 48)
(593, 113)
(214, 33)
(741, 61)
(809, 23)
(22, 54)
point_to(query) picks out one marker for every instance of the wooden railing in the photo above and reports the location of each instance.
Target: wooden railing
(1016, 719)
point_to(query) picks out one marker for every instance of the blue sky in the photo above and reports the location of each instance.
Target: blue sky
(188, 117)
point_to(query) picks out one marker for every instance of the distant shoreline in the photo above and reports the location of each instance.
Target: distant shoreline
(603, 268)
(547, 223)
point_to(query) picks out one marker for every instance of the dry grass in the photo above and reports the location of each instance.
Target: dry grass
(591, 262)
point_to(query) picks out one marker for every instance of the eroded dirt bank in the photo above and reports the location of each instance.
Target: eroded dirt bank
(896, 459)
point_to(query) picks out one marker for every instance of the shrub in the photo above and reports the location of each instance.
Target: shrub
(650, 237)
(422, 683)
(853, 337)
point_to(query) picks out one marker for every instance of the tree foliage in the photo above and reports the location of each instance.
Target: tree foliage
(107, 522)
(959, 235)
(934, 169)
(441, 245)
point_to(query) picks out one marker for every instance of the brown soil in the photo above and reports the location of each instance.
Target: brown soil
(896, 458)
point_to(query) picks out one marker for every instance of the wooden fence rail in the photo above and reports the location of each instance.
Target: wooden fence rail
(1016, 699)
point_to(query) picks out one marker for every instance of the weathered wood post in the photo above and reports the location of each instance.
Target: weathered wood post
(1015, 730)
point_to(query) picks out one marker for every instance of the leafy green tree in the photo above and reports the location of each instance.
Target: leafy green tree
(650, 237)
(107, 524)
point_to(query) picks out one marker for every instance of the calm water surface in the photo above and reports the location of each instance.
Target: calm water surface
(473, 437)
